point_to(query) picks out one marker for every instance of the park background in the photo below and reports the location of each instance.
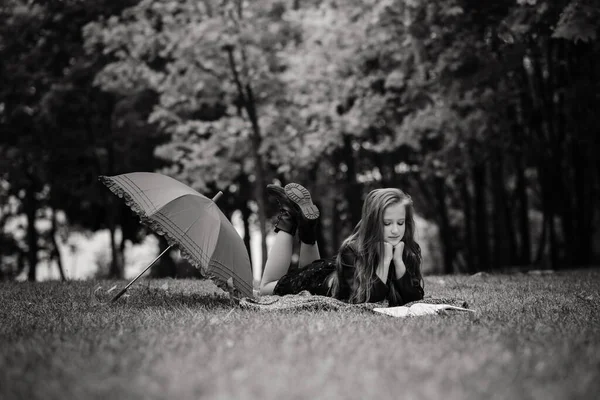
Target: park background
(484, 112)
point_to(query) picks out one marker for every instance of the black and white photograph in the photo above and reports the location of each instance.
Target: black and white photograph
(299, 199)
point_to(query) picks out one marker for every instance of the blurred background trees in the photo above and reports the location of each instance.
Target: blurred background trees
(483, 112)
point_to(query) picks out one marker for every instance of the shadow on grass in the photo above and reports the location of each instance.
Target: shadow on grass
(148, 297)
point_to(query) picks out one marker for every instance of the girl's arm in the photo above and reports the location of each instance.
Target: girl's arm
(407, 285)
(409, 288)
(383, 268)
(346, 275)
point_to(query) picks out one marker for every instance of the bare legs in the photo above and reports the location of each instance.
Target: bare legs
(278, 261)
(297, 213)
(280, 257)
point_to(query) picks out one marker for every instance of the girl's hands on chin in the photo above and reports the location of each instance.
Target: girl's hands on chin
(388, 253)
(398, 262)
(384, 266)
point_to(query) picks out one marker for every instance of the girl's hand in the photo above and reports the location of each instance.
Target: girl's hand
(384, 266)
(388, 252)
(398, 262)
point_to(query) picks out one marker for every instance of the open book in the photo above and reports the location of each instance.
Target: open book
(418, 309)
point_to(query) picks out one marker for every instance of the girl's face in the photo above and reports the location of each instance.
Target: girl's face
(394, 223)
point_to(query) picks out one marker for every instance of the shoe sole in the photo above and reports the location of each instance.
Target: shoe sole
(301, 197)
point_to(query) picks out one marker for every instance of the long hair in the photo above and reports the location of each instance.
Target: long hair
(366, 241)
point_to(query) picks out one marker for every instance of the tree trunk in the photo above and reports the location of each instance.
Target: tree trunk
(245, 193)
(31, 207)
(554, 262)
(20, 262)
(321, 237)
(246, 214)
(260, 188)
(481, 217)
(165, 267)
(247, 96)
(122, 248)
(55, 253)
(416, 46)
(547, 189)
(565, 172)
(352, 193)
(115, 270)
(539, 255)
(521, 139)
(116, 267)
(503, 234)
(582, 155)
(524, 257)
(468, 217)
(595, 161)
(547, 143)
(335, 223)
(444, 223)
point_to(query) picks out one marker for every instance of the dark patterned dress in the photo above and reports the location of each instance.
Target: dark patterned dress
(314, 278)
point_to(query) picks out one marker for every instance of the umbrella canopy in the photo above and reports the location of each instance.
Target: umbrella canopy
(192, 222)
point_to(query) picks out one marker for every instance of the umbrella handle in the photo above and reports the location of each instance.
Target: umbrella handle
(122, 292)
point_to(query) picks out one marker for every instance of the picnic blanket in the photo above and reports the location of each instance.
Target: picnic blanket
(306, 301)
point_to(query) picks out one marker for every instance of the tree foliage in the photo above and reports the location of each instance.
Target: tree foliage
(57, 128)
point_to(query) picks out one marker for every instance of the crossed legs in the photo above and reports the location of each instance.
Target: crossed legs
(297, 213)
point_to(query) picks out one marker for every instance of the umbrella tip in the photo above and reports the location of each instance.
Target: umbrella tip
(217, 196)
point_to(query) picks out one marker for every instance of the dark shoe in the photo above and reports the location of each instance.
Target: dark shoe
(300, 196)
(308, 212)
(287, 219)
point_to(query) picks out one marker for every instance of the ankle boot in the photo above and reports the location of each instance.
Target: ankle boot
(308, 213)
(287, 219)
(286, 222)
(307, 231)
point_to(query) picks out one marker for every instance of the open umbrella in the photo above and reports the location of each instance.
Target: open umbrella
(190, 221)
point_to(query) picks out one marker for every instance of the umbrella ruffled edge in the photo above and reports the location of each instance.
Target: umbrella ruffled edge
(114, 187)
(117, 190)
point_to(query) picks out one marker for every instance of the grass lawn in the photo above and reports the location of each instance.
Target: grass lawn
(533, 337)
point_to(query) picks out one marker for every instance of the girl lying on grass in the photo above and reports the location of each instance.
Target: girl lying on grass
(379, 260)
